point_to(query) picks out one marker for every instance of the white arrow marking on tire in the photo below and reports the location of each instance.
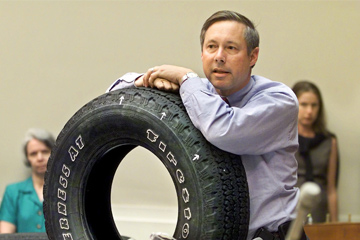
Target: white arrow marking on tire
(196, 157)
(121, 99)
(162, 115)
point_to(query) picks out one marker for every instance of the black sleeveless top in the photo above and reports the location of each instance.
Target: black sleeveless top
(313, 161)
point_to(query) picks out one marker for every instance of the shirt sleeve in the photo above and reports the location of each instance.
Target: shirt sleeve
(8, 207)
(125, 81)
(266, 123)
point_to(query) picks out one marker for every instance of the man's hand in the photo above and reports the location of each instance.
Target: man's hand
(159, 83)
(172, 74)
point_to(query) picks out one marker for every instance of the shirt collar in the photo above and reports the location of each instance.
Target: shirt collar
(29, 189)
(28, 186)
(238, 96)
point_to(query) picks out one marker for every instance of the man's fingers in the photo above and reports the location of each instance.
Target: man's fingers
(147, 77)
(139, 82)
(151, 76)
(165, 85)
(160, 83)
(175, 87)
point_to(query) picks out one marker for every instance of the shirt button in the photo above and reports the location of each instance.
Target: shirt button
(39, 213)
(38, 226)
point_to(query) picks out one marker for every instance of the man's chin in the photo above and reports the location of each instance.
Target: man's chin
(220, 85)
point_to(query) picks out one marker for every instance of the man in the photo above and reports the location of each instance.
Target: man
(257, 120)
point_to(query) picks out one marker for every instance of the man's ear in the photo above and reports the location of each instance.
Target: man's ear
(254, 56)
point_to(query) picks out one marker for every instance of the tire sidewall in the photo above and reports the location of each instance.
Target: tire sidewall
(95, 134)
(112, 125)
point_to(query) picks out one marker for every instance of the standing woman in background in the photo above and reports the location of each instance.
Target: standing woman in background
(22, 204)
(318, 152)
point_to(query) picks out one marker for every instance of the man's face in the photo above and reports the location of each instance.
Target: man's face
(226, 62)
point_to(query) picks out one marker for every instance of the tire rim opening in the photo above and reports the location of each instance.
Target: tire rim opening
(143, 196)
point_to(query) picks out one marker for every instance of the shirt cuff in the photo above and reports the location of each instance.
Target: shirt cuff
(125, 81)
(191, 86)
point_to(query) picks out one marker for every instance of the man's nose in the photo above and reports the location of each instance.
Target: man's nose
(220, 56)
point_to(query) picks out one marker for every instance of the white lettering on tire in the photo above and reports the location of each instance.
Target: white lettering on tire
(67, 236)
(185, 230)
(185, 195)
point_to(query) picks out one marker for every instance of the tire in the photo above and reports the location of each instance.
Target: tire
(211, 186)
(24, 236)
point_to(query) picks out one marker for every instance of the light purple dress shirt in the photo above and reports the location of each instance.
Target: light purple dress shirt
(260, 124)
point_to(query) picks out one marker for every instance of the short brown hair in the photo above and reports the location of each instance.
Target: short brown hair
(251, 35)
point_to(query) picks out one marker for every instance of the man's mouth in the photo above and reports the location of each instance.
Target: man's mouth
(220, 73)
(219, 70)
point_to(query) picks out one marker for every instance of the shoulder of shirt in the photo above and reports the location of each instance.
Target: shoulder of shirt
(259, 80)
(20, 186)
(272, 86)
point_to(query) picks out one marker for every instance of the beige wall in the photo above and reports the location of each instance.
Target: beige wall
(57, 56)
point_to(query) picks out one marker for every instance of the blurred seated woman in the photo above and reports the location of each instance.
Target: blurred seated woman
(318, 152)
(22, 204)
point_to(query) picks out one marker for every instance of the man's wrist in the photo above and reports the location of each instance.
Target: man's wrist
(188, 76)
